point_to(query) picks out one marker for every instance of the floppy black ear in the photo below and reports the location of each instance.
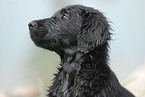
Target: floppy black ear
(94, 31)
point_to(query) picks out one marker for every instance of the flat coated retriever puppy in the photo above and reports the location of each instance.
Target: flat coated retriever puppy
(80, 36)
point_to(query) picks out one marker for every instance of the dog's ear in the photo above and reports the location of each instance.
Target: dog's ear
(94, 31)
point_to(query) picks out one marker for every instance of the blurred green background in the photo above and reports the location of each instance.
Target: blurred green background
(24, 64)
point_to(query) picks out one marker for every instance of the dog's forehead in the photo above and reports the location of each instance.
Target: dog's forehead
(62, 11)
(69, 9)
(73, 8)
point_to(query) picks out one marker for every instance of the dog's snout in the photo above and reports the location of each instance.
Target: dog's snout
(32, 24)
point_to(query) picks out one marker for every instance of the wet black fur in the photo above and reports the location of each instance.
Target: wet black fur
(80, 36)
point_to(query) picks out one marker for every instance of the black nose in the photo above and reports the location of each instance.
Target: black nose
(32, 24)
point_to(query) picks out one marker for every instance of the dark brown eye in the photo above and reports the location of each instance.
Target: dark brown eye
(64, 17)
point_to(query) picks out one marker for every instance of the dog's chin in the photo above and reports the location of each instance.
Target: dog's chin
(39, 43)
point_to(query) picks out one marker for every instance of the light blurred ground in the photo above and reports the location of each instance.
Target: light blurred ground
(135, 84)
(26, 91)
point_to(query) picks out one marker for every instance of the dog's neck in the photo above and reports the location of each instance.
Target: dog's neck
(100, 51)
(72, 59)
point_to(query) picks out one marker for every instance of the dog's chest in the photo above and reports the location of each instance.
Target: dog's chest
(70, 85)
(70, 80)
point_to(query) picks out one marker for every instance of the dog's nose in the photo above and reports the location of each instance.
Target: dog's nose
(32, 24)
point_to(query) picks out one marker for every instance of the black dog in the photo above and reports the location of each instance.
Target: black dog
(80, 35)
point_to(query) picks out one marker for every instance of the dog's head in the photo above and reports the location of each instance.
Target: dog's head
(73, 26)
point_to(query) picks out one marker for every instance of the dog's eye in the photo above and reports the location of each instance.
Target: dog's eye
(64, 17)
(53, 19)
